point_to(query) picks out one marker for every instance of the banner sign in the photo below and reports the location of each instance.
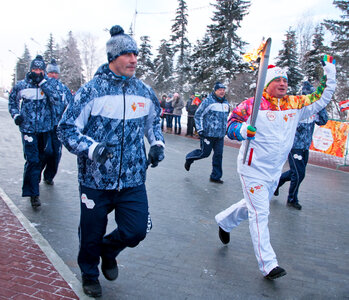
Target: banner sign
(331, 138)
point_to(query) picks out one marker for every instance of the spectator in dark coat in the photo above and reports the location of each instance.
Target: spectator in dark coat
(191, 107)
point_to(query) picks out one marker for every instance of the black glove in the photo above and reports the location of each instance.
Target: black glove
(37, 78)
(102, 152)
(155, 155)
(19, 120)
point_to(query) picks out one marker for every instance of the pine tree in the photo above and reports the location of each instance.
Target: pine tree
(52, 50)
(181, 46)
(340, 48)
(312, 67)
(71, 70)
(145, 66)
(22, 66)
(202, 66)
(221, 46)
(288, 58)
(163, 62)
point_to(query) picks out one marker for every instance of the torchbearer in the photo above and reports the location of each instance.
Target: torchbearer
(278, 117)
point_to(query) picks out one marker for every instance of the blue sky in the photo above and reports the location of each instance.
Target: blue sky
(31, 22)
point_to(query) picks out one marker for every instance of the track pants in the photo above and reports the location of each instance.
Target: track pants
(130, 208)
(51, 162)
(190, 126)
(298, 160)
(207, 144)
(34, 149)
(255, 208)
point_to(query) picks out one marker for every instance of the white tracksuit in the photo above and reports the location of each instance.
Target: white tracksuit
(276, 126)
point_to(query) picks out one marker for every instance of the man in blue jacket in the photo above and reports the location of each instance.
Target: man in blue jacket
(211, 123)
(299, 154)
(31, 104)
(50, 165)
(105, 127)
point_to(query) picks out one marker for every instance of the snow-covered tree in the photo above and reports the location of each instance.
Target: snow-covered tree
(288, 58)
(71, 70)
(202, 65)
(304, 33)
(22, 66)
(163, 81)
(221, 46)
(340, 48)
(52, 51)
(91, 57)
(181, 45)
(145, 65)
(312, 59)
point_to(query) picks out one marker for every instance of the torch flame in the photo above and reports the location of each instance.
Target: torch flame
(254, 54)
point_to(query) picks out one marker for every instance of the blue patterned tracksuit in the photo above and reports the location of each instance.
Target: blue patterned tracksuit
(211, 123)
(120, 111)
(34, 103)
(50, 165)
(299, 154)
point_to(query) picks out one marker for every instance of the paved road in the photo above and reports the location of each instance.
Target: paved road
(182, 257)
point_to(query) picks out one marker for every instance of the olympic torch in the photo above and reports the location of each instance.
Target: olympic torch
(263, 52)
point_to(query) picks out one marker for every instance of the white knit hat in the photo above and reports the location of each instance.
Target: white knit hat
(52, 67)
(273, 73)
(120, 43)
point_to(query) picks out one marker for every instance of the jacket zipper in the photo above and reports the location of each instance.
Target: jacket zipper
(36, 109)
(122, 136)
(224, 129)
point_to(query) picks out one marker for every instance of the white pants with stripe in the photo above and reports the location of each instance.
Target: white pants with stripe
(255, 207)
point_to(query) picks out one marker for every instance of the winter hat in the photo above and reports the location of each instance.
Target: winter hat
(38, 63)
(120, 43)
(307, 88)
(273, 73)
(218, 85)
(53, 67)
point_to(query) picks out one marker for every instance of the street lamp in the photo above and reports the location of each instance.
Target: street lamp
(18, 62)
(36, 42)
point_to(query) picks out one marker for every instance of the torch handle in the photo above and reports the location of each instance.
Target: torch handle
(262, 74)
